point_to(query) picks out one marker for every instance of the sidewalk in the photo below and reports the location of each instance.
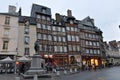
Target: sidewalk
(13, 76)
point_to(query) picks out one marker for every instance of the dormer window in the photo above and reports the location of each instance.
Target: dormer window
(43, 10)
(71, 21)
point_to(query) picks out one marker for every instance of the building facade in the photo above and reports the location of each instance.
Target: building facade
(64, 40)
(112, 53)
(26, 36)
(91, 42)
(9, 33)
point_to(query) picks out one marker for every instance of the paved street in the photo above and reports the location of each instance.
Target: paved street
(106, 74)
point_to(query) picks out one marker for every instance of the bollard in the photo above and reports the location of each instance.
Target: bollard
(58, 73)
(54, 70)
(70, 70)
(17, 78)
(100, 79)
(75, 69)
(65, 72)
(35, 77)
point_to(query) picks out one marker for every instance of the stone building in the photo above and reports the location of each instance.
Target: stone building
(91, 40)
(64, 40)
(9, 33)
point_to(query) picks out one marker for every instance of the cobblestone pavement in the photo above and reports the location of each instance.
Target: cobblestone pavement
(102, 74)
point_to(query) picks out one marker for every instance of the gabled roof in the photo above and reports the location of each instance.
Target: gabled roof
(87, 21)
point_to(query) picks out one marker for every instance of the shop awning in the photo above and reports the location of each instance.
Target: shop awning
(7, 60)
(24, 59)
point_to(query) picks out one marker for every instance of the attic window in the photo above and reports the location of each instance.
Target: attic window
(43, 10)
(71, 21)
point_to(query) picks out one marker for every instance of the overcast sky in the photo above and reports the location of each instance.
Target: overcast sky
(106, 13)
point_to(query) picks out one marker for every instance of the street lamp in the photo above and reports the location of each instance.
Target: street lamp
(16, 60)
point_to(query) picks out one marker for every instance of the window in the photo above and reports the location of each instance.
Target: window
(86, 34)
(69, 37)
(6, 32)
(40, 47)
(77, 38)
(45, 47)
(26, 40)
(68, 28)
(48, 18)
(98, 51)
(86, 42)
(94, 43)
(7, 20)
(43, 17)
(98, 44)
(74, 48)
(87, 50)
(39, 25)
(43, 26)
(64, 40)
(90, 35)
(71, 21)
(73, 38)
(72, 29)
(5, 45)
(70, 47)
(55, 38)
(43, 10)
(27, 23)
(91, 51)
(49, 37)
(27, 51)
(48, 27)
(90, 43)
(78, 48)
(38, 16)
(95, 52)
(59, 29)
(65, 49)
(39, 36)
(53, 28)
(75, 29)
(61, 49)
(44, 37)
(59, 38)
(26, 30)
(55, 48)
(63, 29)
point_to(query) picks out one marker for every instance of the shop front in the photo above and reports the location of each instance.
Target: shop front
(61, 59)
(90, 60)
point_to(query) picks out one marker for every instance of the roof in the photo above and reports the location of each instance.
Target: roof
(10, 14)
(30, 19)
(38, 9)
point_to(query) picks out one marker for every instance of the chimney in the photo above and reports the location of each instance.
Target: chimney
(69, 12)
(57, 17)
(92, 21)
(19, 12)
(12, 9)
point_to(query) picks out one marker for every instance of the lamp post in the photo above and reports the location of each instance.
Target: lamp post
(16, 60)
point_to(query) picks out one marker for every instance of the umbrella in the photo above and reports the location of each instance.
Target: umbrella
(23, 59)
(7, 60)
